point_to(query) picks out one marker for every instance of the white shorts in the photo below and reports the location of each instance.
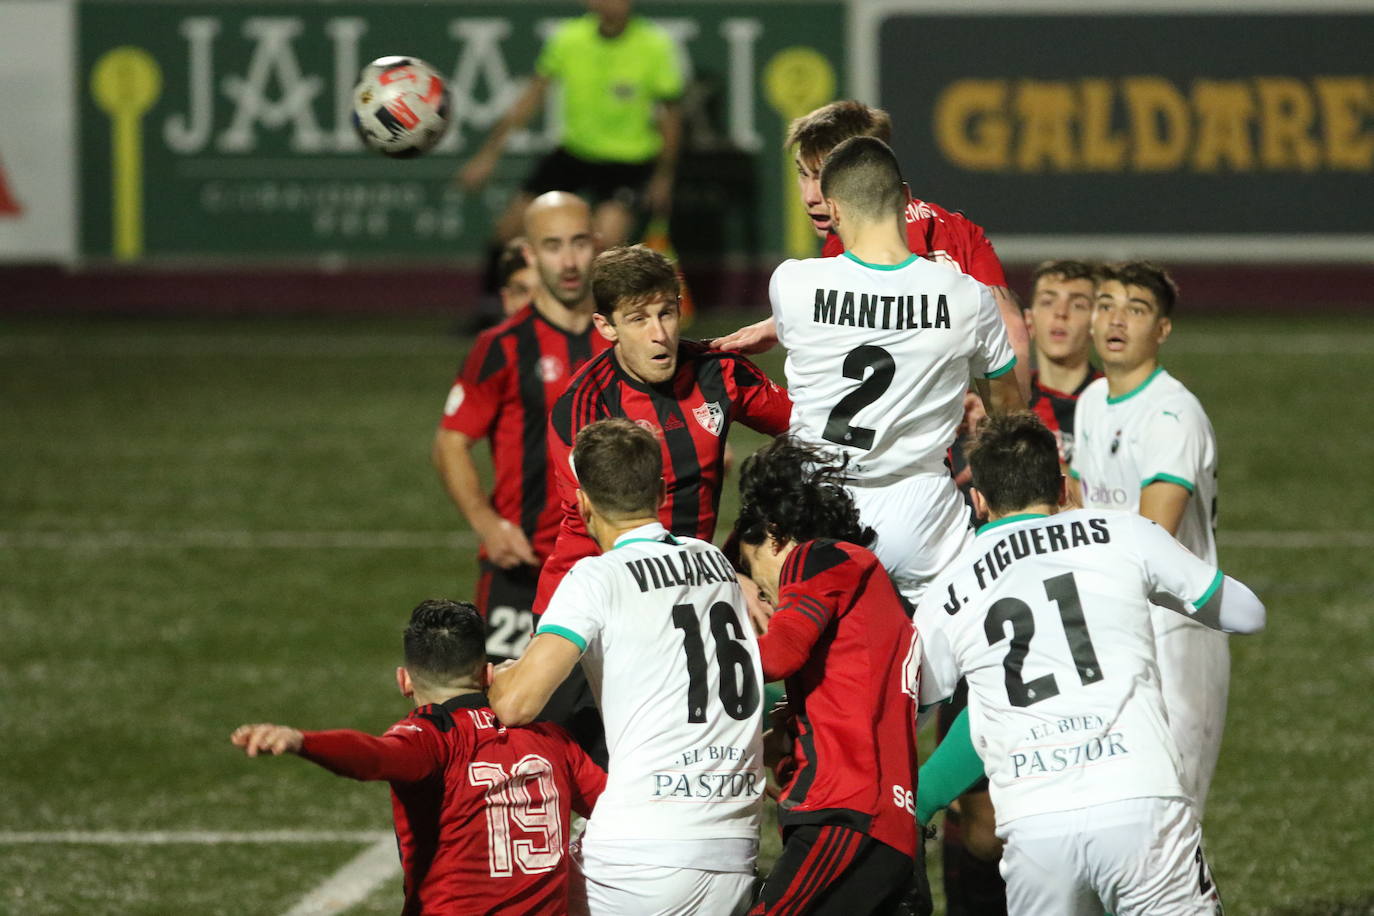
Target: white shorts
(1131, 858)
(1194, 675)
(922, 524)
(600, 888)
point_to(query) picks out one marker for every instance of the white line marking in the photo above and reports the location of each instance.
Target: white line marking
(191, 837)
(350, 346)
(353, 883)
(466, 540)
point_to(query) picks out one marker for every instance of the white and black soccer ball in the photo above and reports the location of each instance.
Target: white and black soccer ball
(401, 106)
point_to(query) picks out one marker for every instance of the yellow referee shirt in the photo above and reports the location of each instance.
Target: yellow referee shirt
(610, 87)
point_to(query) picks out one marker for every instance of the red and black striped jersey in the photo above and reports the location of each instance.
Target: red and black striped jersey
(839, 638)
(690, 414)
(946, 236)
(1055, 409)
(509, 381)
(481, 810)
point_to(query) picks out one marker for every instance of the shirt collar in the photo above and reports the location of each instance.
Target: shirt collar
(654, 531)
(1011, 520)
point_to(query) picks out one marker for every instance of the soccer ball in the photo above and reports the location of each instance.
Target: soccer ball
(401, 106)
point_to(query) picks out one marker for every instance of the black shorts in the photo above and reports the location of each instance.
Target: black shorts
(504, 599)
(829, 869)
(560, 170)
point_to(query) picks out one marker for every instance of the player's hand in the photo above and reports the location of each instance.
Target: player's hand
(760, 611)
(974, 414)
(476, 172)
(507, 545)
(658, 195)
(759, 337)
(265, 738)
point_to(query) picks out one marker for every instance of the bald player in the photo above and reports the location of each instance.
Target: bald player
(503, 394)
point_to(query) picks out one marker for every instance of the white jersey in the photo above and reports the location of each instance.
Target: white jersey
(671, 656)
(1049, 619)
(879, 358)
(1158, 432)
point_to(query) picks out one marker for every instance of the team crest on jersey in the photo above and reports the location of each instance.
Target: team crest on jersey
(550, 369)
(710, 416)
(1116, 442)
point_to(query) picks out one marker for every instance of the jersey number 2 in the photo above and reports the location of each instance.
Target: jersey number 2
(739, 689)
(508, 801)
(857, 365)
(1063, 591)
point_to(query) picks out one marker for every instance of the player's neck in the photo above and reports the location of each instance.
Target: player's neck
(573, 319)
(1061, 375)
(608, 531)
(1123, 381)
(876, 243)
(1037, 509)
(440, 695)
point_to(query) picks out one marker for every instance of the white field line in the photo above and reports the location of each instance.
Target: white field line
(191, 837)
(353, 883)
(466, 540)
(337, 346)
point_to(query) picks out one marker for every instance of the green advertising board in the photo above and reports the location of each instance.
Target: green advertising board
(222, 130)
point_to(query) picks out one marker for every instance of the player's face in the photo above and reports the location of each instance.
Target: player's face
(561, 248)
(1060, 318)
(645, 335)
(613, 12)
(809, 184)
(763, 562)
(519, 290)
(1127, 325)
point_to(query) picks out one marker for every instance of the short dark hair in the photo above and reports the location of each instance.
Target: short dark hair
(863, 172)
(619, 466)
(445, 641)
(795, 492)
(822, 130)
(1150, 276)
(1106, 271)
(631, 274)
(1068, 269)
(511, 262)
(1015, 462)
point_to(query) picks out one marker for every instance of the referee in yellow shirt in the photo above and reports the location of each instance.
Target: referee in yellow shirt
(622, 126)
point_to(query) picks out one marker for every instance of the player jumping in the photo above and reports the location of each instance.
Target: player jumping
(838, 637)
(481, 810)
(1049, 617)
(659, 624)
(880, 346)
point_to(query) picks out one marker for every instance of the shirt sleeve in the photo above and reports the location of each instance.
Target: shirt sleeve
(939, 671)
(552, 56)
(992, 355)
(667, 74)
(802, 615)
(575, 611)
(475, 398)
(1176, 577)
(759, 402)
(1177, 448)
(407, 752)
(982, 264)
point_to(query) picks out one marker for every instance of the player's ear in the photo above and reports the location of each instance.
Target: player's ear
(834, 207)
(404, 683)
(584, 507)
(1063, 490)
(980, 505)
(662, 493)
(484, 674)
(1164, 329)
(604, 326)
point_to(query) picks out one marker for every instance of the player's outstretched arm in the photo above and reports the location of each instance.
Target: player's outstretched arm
(1233, 608)
(1002, 394)
(266, 738)
(519, 690)
(759, 337)
(1017, 335)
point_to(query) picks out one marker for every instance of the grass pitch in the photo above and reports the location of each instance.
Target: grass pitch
(210, 522)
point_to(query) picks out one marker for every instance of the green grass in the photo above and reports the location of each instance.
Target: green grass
(124, 665)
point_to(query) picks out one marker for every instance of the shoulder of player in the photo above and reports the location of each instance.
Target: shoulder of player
(811, 559)
(642, 28)
(1096, 392)
(1173, 395)
(570, 411)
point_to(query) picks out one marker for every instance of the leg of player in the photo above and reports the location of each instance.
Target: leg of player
(829, 869)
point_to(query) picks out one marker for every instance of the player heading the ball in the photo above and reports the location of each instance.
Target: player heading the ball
(1048, 615)
(660, 626)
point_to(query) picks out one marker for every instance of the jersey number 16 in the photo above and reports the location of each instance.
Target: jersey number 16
(739, 689)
